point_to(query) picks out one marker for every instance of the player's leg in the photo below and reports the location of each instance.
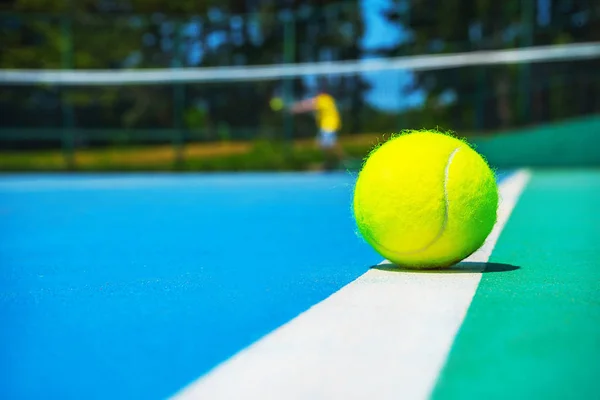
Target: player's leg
(339, 150)
(332, 151)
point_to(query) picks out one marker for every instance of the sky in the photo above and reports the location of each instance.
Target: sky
(386, 85)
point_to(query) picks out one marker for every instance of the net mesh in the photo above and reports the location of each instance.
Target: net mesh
(466, 92)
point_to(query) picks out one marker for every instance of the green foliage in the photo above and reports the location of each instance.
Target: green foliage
(262, 156)
(500, 96)
(94, 34)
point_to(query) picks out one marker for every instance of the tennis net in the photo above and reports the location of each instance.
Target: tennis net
(466, 92)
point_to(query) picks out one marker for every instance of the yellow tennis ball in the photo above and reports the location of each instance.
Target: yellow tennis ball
(276, 103)
(425, 199)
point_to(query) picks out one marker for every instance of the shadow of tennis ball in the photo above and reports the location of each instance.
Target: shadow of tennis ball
(461, 267)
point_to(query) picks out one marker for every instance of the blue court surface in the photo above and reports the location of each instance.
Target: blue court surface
(134, 286)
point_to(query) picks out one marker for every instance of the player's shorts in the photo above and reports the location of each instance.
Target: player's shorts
(327, 138)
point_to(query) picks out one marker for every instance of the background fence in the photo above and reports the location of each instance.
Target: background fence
(174, 39)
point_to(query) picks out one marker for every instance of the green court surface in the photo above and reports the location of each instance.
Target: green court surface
(534, 332)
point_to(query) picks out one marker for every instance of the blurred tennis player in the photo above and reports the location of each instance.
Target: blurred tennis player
(328, 122)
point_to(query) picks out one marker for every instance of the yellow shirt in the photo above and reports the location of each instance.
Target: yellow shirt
(328, 118)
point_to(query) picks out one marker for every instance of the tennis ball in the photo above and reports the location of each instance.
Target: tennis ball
(276, 104)
(425, 199)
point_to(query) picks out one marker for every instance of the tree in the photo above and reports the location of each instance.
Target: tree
(110, 34)
(499, 96)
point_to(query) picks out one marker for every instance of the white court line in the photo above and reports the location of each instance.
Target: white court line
(386, 335)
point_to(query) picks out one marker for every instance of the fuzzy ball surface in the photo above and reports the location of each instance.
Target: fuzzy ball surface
(425, 199)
